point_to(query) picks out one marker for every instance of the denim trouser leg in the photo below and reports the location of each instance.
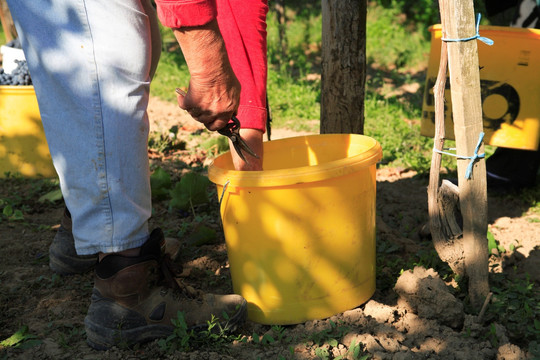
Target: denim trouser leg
(91, 62)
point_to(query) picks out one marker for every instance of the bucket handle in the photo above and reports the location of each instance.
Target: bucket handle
(223, 191)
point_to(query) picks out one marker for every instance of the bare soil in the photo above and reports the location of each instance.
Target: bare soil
(420, 316)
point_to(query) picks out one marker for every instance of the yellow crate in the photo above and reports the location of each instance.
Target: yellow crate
(23, 147)
(509, 82)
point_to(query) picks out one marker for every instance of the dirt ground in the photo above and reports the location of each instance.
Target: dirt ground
(419, 318)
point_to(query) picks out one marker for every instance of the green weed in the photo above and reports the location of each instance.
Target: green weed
(183, 339)
(19, 195)
(495, 247)
(329, 338)
(516, 304)
(216, 145)
(44, 282)
(329, 335)
(532, 197)
(265, 339)
(9, 213)
(164, 143)
(277, 334)
(70, 334)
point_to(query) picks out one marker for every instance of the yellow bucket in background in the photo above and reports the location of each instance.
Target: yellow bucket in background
(509, 82)
(301, 234)
(23, 147)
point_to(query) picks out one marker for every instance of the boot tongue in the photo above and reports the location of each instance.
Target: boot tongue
(150, 250)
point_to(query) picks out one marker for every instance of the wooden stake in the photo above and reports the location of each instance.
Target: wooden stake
(435, 225)
(7, 22)
(343, 67)
(459, 20)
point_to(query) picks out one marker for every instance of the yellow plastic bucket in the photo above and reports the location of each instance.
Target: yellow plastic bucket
(509, 79)
(23, 147)
(301, 234)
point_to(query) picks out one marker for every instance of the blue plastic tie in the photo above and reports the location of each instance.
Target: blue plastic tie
(485, 40)
(473, 158)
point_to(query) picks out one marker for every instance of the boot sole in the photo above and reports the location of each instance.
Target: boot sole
(103, 333)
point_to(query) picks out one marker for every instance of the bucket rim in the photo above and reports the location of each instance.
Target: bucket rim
(17, 89)
(302, 174)
(500, 30)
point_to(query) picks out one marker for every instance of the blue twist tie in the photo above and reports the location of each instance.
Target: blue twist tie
(485, 40)
(473, 158)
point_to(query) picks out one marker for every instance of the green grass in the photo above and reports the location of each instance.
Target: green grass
(390, 41)
(172, 72)
(401, 141)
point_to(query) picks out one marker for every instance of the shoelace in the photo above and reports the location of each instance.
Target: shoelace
(171, 272)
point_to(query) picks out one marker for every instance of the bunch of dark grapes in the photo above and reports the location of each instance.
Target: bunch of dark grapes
(19, 76)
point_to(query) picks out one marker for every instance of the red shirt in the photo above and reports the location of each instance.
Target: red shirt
(179, 13)
(243, 26)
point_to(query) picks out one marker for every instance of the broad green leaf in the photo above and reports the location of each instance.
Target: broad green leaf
(17, 215)
(333, 342)
(492, 243)
(20, 339)
(202, 235)
(160, 183)
(52, 196)
(30, 343)
(191, 190)
(8, 210)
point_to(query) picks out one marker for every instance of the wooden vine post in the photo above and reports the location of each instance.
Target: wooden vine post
(7, 22)
(458, 20)
(343, 72)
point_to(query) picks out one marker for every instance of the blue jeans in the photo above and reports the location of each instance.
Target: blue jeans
(91, 62)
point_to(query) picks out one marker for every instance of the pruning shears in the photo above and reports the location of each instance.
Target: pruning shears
(232, 131)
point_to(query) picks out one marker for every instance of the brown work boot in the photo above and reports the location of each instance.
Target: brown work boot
(130, 304)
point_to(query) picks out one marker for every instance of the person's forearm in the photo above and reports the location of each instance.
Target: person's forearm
(204, 51)
(214, 91)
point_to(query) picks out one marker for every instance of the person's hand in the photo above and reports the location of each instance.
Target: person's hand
(214, 91)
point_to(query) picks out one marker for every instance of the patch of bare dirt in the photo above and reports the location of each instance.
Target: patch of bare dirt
(419, 316)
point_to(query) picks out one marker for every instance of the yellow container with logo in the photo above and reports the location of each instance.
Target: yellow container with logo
(23, 147)
(509, 85)
(301, 234)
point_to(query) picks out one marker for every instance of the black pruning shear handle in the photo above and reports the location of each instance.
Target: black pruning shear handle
(232, 131)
